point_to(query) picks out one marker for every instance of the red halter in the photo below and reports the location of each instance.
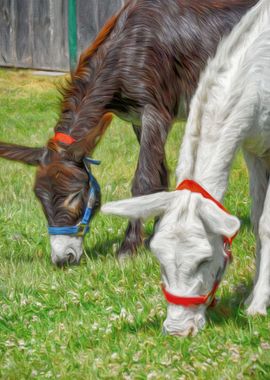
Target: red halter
(209, 298)
(63, 138)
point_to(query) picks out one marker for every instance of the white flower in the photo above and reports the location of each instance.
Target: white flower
(95, 326)
(114, 356)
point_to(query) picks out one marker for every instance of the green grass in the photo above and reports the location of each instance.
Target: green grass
(98, 320)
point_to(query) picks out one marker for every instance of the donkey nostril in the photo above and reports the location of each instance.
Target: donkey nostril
(68, 258)
(71, 256)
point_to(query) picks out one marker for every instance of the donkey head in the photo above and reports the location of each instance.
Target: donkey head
(62, 187)
(188, 243)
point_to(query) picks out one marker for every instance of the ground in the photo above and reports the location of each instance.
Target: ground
(99, 320)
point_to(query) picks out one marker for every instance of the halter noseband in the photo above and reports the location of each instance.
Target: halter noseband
(82, 227)
(209, 298)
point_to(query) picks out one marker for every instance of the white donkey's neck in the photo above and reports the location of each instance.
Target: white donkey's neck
(220, 117)
(208, 160)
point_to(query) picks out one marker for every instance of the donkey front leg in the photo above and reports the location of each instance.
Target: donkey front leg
(151, 173)
(258, 183)
(261, 292)
(133, 235)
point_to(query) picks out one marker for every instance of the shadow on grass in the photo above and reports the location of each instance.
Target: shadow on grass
(103, 248)
(33, 259)
(144, 326)
(245, 222)
(111, 247)
(232, 307)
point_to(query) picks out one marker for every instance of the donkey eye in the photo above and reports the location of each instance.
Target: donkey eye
(72, 199)
(204, 261)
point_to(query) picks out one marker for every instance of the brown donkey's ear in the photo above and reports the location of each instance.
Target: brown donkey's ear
(85, 146)
(30, 156)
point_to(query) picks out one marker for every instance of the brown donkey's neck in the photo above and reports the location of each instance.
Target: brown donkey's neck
(86, 98)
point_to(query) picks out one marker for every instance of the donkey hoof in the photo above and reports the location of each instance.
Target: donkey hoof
(256, 309)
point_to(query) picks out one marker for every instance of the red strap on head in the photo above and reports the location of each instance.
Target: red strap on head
(63, 138)
(191, 301)
(194, 187)
(183, 301)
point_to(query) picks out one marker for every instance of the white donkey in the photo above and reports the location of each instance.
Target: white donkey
(230, 109)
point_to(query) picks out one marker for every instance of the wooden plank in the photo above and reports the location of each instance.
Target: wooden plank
(107, 8)
(41, 34)
(34, 33)
(60, 35)
(91, 16)
(22, 29)
(7, 52)
(87, 23)
(50, 38)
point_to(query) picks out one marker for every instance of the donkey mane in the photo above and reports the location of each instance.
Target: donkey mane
(204, 5)
(210, 82)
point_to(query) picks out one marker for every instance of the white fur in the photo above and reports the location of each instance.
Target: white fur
(230, 109)
(149, 206)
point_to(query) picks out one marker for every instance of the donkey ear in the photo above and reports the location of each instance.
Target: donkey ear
(142, 207)
(218, 221)
(82, 148)
(30, 156)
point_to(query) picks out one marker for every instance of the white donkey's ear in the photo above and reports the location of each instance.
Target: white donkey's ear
(218, 220)
(142, 207)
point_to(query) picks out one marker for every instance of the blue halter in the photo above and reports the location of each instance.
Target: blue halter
(83, 226)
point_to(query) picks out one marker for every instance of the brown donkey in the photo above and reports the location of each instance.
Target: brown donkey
(145, 60)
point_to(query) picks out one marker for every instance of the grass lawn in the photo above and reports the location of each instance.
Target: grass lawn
(98, 320)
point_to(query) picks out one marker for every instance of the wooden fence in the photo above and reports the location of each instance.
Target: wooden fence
(34, 33)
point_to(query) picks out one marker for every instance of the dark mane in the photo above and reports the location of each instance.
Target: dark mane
(206, 5)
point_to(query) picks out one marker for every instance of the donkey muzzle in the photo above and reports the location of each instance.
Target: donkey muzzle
(66, 250)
